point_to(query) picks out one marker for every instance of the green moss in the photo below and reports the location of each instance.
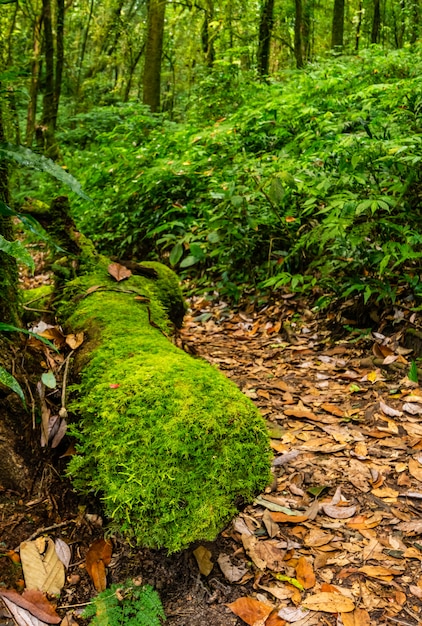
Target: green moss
(175, 445)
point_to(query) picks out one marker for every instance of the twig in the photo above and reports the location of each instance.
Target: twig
(66, 371)
(46, 529)
(399, 621)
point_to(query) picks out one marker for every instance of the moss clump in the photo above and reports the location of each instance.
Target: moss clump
(169, 442)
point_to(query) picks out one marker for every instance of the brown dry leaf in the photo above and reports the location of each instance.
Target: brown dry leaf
(333, 409)
(233, 573)
(358, 617)
(415, 469)
(250, 610)
(388, 410)
(265, 554)
(329, 603)
(387, 493)
(317, 537)
(275, 620)
(203, 558)
(378, 571)
(305, 573)
(97, 559)
(339, 512)
(302, 413)
(290, 519)
(63, 552)
(68, 620)
(74, 341)
(414, 527)
(33, 601)
(42, 568)
(364, 522)
(118, 272)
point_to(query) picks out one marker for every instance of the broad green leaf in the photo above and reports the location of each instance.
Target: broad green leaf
(31, 224)
(213, 237)
(18, 251)
(26, 157)
(9, 381)
(189, 261)
(49, 379)
(176, 254)
(197, 251)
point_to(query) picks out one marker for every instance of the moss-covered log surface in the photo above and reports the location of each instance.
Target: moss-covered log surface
(170, 444)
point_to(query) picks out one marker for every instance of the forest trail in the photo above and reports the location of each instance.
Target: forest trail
(343, 516)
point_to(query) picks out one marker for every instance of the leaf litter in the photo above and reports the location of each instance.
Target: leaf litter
(336, 537)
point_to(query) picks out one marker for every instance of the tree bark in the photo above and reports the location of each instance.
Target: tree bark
(153, 54)
(34, 85)
(376, 22)
(264, 38)
(298, 33)
(206, 36)
(337, 30)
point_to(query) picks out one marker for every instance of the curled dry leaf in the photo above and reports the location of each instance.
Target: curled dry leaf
(388, 410)
(74, 341)
(250, 610)
(118, 272)
(329, 603)
(34, 602)
(291, 614)
(378, 571)
(415, 469)
(97, 559)
(42, 568)
(339, 512)
(203, 558)
(63, 552)
(233, 573)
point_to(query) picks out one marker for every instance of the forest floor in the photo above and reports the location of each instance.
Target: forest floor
(333, 540)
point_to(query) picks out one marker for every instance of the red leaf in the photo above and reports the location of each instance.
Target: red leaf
(97, 558)
(33, 601)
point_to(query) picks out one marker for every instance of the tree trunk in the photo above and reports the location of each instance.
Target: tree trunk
(207, 37)
(264, 38)
(358, 26)
(45, 136)
(298, 34)
(131, 73)
(153, 54)
(59, 58)
(415, 22)
(337, 31)
(376, 22)
(34, 86)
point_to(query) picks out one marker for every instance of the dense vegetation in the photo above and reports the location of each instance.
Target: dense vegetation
(311, 182)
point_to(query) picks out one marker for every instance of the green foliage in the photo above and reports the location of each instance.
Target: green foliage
(128, 604)
(170, 444)
(10, 381)
(311, 183)
(18, 251)
(15, 329)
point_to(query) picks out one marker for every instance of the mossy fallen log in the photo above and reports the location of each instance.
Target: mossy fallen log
(170, 444)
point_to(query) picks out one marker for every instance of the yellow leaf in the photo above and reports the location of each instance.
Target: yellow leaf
(203, 558)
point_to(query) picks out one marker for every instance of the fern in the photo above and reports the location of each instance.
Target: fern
(126, 604)
(26, 157)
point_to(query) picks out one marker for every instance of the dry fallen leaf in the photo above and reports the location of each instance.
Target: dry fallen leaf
(250, 610)
(97, 559)
(233, 573)
(118, 272)
(74, 341)
(42, 568)
(415, 469)
(329, 603)
(358, 617)
(305, 573)
(203, 558)
(33, 602)
(339, 512)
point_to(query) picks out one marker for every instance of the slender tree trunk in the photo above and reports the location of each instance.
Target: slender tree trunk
(131, 73)
(415, 22)
(298, 34)
(59, 58)
(34, 85)
(46, 128)
(82, 54)
(153, 54)
(337, 30)
(264, 38)
(358, 26)
(307, 29)
(207, 37)
(376, 22)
